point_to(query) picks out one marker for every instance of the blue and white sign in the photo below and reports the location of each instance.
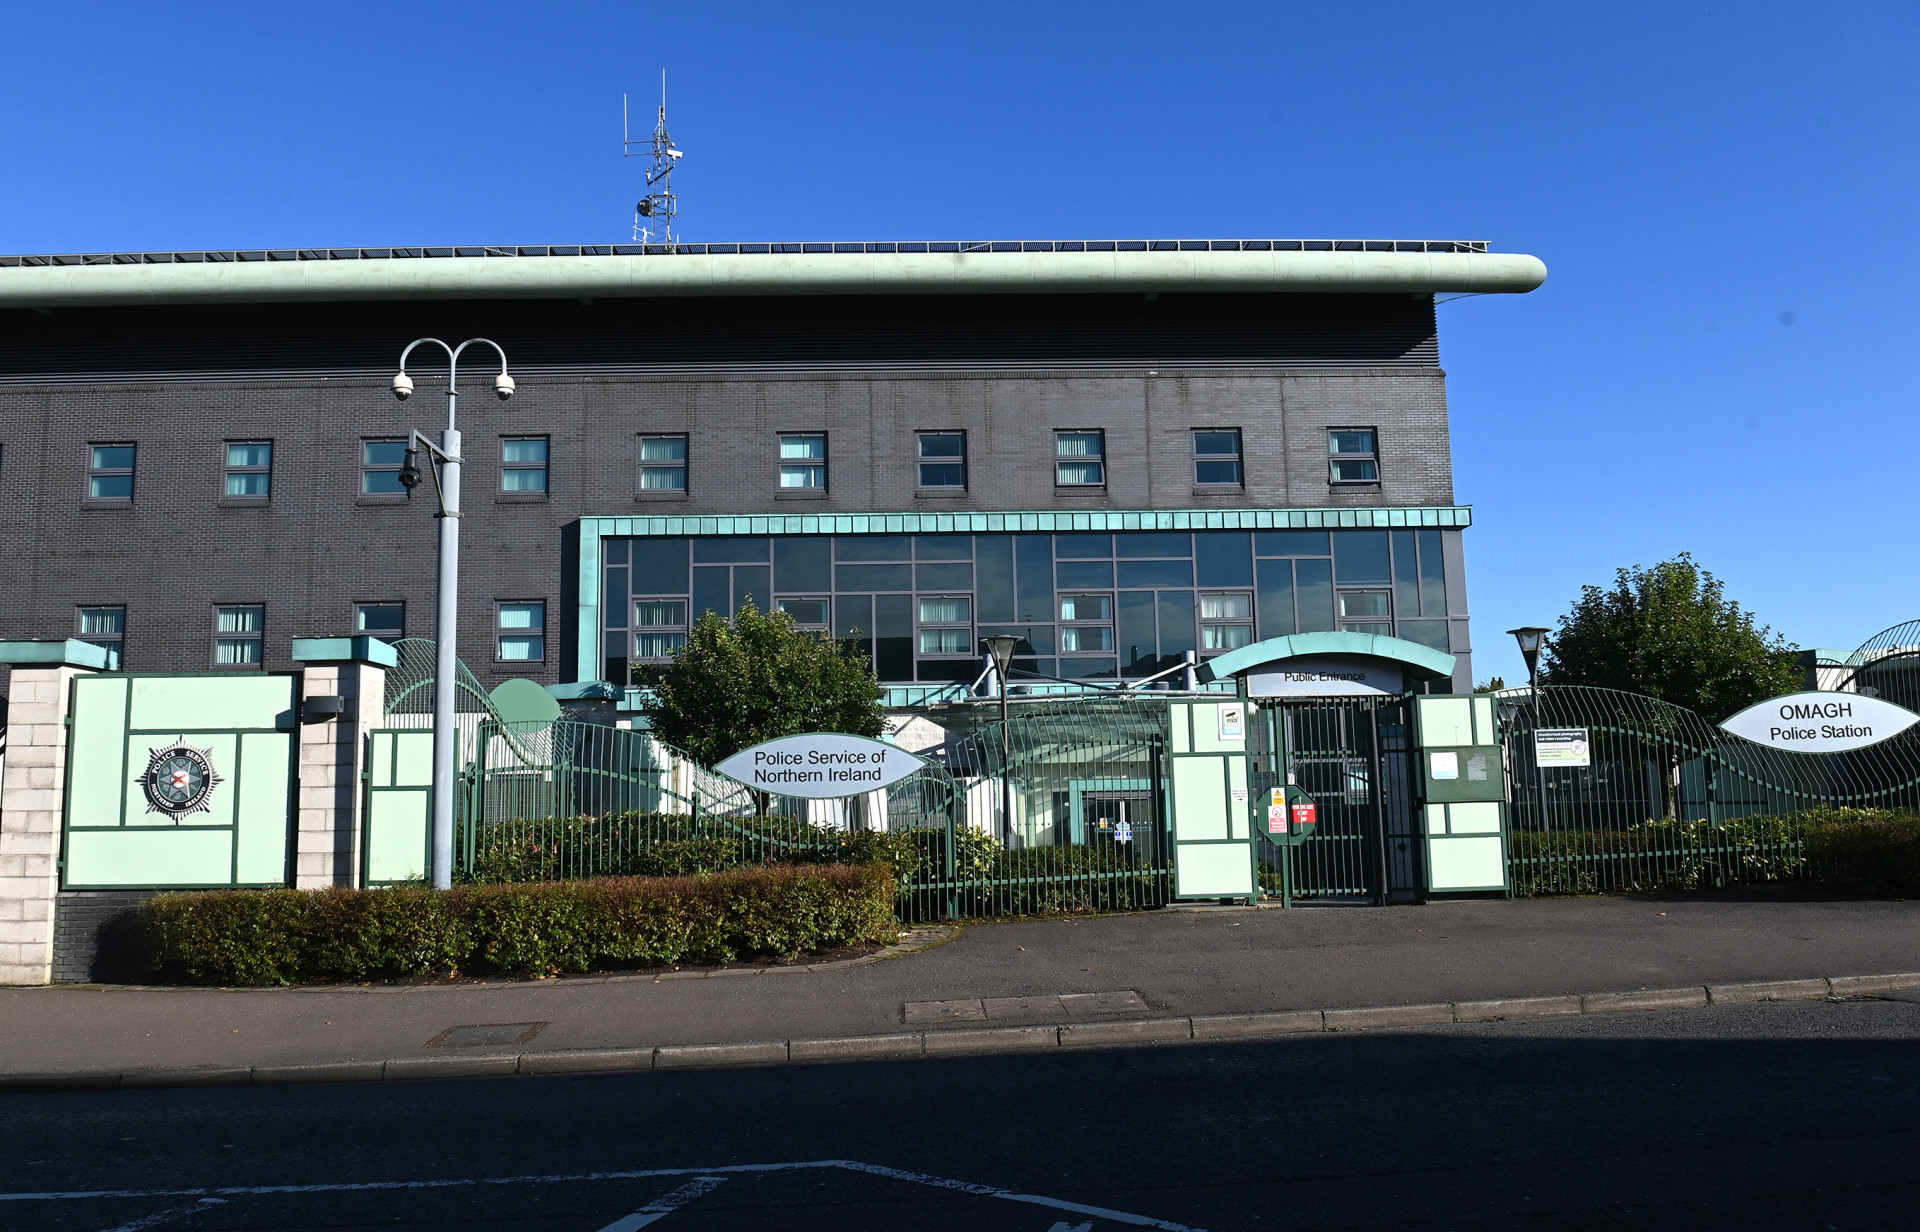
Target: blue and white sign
(1820, 722)
(820, 766)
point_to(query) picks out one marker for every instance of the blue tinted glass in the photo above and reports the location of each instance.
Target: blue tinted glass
(993, 562)
(1078, 575)
(712, 591)
(1216, 442)
(613, 606)
(1273, 599)
(873, 547)
(1216, 472)
(873, 577)
(1176, 625)
(942, 475)
(1086, 669)
(1433, 581)
(1291, 543)
(659, 566)
(1156, 573)
(943, 577)
(523, 481)
(1223, 558)
(111, 487)
(1136, 640)
(1033, 640)
(755, 581)
(1035, 556)
(381, 483)
(1153, 544)
(802, 564)
(383, 453)
(250, 455)
(1427, 632)
(1313, 593)
(1083, 547)
(893, 637)
(729, 551)
(112, 457)
(534, 450)
(614, 551)
(942, 445)
(1406, 573)
(247, 483)
(943, 547)
(853, 616)
(1361, 556)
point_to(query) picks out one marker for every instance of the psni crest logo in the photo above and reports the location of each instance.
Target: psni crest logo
(178, 779)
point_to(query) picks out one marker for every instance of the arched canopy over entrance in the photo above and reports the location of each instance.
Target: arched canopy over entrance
(1330, 664)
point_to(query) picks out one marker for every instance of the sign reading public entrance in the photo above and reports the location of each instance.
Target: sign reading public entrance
(820, 766)
(1820, 722)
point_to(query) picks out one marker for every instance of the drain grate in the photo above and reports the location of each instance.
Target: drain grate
(483, 1034)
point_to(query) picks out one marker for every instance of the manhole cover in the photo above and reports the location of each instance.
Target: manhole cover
(485, 1033)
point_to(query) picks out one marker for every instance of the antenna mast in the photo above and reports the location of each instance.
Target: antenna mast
(653, 216)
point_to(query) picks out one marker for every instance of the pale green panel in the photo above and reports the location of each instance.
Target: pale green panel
(149, 859)
(1210, 719)
(1237, 802)
(1465, 864)
(187, 702)
(380, 759)
(1211, 869)
(264, 800)
(1476, 817)
(1180, 715)
(1445, 721)
(1483, 720)
(413, 759)
(1436, 819)
(220, 754)
(397, 835)
(1199, 803)
(96, 756)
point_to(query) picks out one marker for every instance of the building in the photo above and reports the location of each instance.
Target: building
(1122, 452)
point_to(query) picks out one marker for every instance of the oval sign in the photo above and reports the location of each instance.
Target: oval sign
(1820, 722)
(821, 766)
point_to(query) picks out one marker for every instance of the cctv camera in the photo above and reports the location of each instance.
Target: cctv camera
(402, 386)
(503, 386)
(409, 472)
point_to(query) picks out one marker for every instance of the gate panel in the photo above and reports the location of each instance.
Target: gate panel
(399, 832)
(1351, 755)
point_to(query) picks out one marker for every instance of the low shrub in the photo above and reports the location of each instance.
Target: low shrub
(264, 937)
(638, 844)
(1867, 851)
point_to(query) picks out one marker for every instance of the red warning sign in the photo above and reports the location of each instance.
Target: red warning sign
(1303, 814)
(1276, 824)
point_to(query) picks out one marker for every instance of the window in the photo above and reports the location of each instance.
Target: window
(659, 627)
(110, 472)
(942, 459)
(1226, 621)
(522, 629)
(1087, 622)
(386, 621)
(1365, 611)
(523, 464)
(249, 468)
(380, 463)
(663, 464)
(807, 613)
(946, 626)
(1216, 458)
(238, 634)
(1351, 457)
(1079, 459)
(105, 626)
(803, 461)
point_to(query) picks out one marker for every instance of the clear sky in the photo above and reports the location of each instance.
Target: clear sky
(1722, 359)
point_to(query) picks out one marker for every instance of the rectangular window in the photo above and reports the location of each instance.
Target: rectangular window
(1351, 456)
(663, 464)
(1216, 458)
(943, 459)
(1087, 624)
(249, 468)
(1365, 611)
(659, 627)
(239, 632)
(522, 631)
(386, 621)
(803, 461)
(110, 472)
(806, 613)
(523, 464)
(1226, 621)
(105, 626)
(380, 463)
(946, 626)
(1080, 459)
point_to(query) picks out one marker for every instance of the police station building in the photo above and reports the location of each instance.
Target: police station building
(1124, 453)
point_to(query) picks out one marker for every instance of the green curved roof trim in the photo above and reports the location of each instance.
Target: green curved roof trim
(1424, 662)
(958, 273)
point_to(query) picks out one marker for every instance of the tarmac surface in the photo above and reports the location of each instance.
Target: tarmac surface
(1152, 965)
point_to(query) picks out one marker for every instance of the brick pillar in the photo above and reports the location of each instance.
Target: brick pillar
(33, 799)
(332, 797)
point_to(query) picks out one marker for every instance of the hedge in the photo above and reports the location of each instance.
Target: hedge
(266, 937)
(1875, 851)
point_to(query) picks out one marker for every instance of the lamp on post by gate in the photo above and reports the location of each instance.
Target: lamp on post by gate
(1000, 649)
(1531, 638)
(444, 459)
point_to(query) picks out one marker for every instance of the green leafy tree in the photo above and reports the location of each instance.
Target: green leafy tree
(1670, 632)
(756, 677)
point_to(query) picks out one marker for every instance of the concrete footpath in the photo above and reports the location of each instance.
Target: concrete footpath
(1156, 976)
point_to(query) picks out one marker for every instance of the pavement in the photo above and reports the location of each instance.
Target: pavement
(1156, 976)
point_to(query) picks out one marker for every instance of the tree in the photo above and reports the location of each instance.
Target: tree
(1670, 632)
(1491, 686)
(755, 678)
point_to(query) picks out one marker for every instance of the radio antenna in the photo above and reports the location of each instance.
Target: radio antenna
(653, 215)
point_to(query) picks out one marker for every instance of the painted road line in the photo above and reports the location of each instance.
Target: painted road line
(666, 1205)
(160, 1217)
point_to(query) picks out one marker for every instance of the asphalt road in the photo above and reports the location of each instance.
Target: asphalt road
(1797, 1115)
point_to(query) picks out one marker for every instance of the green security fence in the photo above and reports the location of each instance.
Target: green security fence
(1672, 802)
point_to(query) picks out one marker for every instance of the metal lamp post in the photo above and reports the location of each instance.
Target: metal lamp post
(1531, 638)
(1000, 649)
(445, 458)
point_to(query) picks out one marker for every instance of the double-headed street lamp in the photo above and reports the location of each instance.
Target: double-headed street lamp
(1000, 649)
(445, 460)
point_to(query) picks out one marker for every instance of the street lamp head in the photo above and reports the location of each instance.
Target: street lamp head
(402, 386)
(503, 386)
(1000, 649)
(1530, 638)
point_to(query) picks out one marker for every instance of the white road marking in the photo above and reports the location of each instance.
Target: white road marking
(1061, 1226)
(155, 1220)
(661, 1207)
(851, 1165)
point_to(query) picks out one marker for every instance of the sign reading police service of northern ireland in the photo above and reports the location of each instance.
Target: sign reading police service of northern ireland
(1820, 722)
(820, 766)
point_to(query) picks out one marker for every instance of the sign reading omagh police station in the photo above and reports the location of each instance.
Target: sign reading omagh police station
(1820, 722)
(823, 765)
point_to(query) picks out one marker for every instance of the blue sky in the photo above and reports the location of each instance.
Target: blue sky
(1721, 361)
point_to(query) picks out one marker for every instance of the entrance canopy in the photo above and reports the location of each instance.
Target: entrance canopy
(1323, 664)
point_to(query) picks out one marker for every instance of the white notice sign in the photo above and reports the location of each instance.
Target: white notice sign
(824, 765)
(1820, 722)
(1233, 722)
(1561, 746)
(1442, 766)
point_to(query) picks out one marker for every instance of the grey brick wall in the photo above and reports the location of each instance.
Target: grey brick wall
(78, 916)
